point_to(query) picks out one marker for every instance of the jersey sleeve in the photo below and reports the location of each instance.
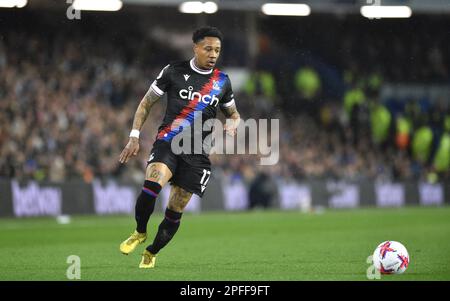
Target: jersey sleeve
(162, 82)
(228, 97)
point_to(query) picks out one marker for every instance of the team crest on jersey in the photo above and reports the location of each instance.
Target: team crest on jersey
(216, 85)
(186, 76)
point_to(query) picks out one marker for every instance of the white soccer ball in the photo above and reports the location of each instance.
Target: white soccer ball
(391, 257)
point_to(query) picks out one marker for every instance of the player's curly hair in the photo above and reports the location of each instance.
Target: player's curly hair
(206, 31)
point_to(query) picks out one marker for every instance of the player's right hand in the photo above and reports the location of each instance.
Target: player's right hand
(131, 150)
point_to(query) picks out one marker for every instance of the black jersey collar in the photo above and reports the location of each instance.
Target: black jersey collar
(198, 70)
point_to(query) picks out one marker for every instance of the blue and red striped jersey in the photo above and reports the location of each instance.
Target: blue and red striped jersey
(191, 93)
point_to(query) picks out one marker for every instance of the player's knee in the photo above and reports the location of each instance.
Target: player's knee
(156, 174)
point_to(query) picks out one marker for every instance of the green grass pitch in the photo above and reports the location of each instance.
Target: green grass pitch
(270, 245)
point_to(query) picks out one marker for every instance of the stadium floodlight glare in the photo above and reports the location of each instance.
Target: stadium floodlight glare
(198, 7)
(378, 11)
(286, 9)
(191, 7)
(100, 5)
(13, 3)
(209, 7)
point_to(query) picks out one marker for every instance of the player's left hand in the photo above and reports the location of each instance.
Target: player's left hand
(130, 150)
(231, 126)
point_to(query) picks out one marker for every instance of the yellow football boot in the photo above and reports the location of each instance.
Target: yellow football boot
(148, 260)
(131, 242)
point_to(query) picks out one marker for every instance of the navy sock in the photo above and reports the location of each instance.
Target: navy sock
(166, 231)
(145, 205)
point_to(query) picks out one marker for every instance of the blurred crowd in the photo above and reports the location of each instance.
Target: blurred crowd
(67, 105)
(62, 108)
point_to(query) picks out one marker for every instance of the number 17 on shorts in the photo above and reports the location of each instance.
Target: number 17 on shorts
(205, 178)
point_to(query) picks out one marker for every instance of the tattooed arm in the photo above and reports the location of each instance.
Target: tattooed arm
(233, 119)
(149, 99)
(132, 147)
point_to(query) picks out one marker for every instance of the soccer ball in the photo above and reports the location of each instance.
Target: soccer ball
(391, 257)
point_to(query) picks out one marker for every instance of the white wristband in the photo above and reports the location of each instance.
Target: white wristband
(134, 133)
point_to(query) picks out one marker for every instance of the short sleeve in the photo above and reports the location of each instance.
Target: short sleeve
(162, 81)
(228, 97)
